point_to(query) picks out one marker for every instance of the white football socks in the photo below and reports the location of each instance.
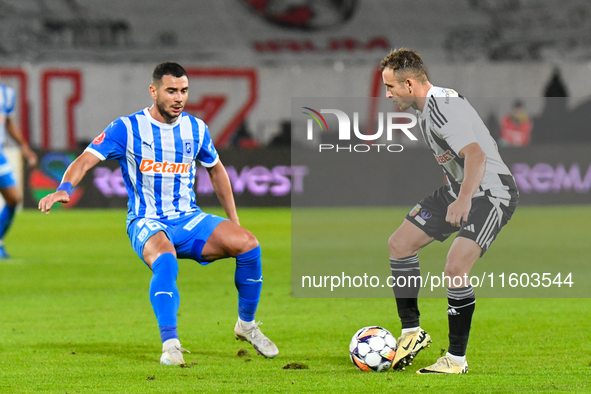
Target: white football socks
(405, 330)
(457, 359)
(247, 325)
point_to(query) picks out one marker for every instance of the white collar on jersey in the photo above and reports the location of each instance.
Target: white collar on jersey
(160, 124)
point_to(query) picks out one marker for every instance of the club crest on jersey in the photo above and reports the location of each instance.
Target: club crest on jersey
(165, 168)
(188, 148)
(99, 140)
(413, 212)
(446, 157)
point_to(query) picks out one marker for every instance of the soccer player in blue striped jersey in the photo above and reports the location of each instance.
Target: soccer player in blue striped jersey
(157, 148)
(8, 189)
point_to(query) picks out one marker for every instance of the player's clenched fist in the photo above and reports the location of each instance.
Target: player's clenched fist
(47, 202)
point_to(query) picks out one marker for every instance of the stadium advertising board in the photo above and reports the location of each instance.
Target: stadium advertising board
(257, 180)
(552, 174)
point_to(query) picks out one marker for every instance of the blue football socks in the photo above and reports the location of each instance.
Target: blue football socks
(249, 281)
(164, 295)
(6, 217)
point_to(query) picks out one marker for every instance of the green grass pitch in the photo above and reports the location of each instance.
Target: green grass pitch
(75, 317)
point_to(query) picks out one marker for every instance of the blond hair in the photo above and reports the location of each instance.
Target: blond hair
(406, 63)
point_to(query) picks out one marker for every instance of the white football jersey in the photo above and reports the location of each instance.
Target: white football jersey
(449, 123)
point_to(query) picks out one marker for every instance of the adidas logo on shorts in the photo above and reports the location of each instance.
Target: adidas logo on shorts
(470, 228)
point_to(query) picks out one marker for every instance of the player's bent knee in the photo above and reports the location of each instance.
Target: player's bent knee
(155, 246)
(398, 248)
(392, 245)
(248, 242)
(12, 197)
(452, 270)
(14, 202)
(456, 268)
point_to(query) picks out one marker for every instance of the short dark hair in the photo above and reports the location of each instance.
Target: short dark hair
(168, 68)
(406, 61)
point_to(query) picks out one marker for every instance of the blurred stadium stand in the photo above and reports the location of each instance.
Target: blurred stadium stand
(78, 64)
(260, 53)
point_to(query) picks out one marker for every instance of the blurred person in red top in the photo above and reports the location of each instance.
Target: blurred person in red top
(516, 127)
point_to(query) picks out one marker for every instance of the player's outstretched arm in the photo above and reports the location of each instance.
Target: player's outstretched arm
(73, 176)
(26, 151)
(223, 189)
(474, 166)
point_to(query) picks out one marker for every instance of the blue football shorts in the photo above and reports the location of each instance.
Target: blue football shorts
(6, 175)
(188, 234)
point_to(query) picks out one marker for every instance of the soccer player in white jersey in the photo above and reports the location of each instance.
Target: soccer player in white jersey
(8, 189)
(156, 149)
(479, 199)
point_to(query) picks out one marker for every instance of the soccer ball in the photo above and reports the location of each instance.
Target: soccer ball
(373, 348)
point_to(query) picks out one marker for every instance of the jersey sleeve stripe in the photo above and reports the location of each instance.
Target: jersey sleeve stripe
(96, 153)
(435, 122)
(437, 110)
(438, 120)
(209, 165)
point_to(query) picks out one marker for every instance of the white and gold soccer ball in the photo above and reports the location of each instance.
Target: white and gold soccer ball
(373, 348)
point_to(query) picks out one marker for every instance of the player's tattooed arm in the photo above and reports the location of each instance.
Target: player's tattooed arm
(223, 189)
(474, 166)
(73, 175)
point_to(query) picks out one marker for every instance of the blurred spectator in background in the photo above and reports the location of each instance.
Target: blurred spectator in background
(283, 138)
(516, 127)
(550, 127)
(555, 87)
(243, 138)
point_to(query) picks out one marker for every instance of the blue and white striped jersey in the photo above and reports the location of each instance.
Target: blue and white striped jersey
(7, 101)
(157, 161)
